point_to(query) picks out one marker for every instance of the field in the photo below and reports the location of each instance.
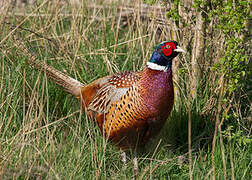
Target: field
(45, 135)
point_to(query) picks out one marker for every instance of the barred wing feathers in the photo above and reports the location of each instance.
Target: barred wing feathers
(111, 90)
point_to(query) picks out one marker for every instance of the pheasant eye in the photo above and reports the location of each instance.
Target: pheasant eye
(167, 46)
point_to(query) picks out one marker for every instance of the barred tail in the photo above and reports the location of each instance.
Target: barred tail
(69, 84)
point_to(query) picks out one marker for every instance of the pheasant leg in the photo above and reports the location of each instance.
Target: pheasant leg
(135, 163)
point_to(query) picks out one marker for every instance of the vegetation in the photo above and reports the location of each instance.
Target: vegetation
(43, 133)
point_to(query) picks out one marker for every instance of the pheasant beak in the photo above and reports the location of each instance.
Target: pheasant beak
(179, 49)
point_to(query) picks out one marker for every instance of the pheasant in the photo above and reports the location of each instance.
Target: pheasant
(129, 107)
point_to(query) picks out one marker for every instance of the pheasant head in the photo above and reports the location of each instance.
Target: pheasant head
(163, 54)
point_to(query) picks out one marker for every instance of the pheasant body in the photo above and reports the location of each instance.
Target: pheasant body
(142, 111)
(129, 107)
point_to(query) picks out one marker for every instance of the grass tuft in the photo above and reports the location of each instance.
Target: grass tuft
(43, 133)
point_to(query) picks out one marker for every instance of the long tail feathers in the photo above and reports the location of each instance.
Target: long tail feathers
(69, 84)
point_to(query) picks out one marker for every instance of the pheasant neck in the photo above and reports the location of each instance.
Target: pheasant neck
(159, 62)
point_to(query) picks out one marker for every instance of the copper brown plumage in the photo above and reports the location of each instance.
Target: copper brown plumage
(129, 107)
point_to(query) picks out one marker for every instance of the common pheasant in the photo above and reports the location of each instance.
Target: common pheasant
(129, 107)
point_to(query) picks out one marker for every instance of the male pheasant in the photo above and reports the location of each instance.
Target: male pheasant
(129, 107)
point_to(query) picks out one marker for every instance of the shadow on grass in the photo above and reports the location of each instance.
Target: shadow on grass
(174, 135)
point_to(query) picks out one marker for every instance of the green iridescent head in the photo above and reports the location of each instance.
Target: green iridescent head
(165, 52)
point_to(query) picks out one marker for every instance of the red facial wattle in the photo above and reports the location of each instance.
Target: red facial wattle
(167, 48)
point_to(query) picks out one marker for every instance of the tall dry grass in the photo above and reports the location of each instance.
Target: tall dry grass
(45, 135)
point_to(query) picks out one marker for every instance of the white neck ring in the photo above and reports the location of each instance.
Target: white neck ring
(157, 67)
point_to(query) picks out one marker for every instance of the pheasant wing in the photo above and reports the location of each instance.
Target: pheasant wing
(111, 91)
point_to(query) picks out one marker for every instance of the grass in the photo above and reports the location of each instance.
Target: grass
(45, 135)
